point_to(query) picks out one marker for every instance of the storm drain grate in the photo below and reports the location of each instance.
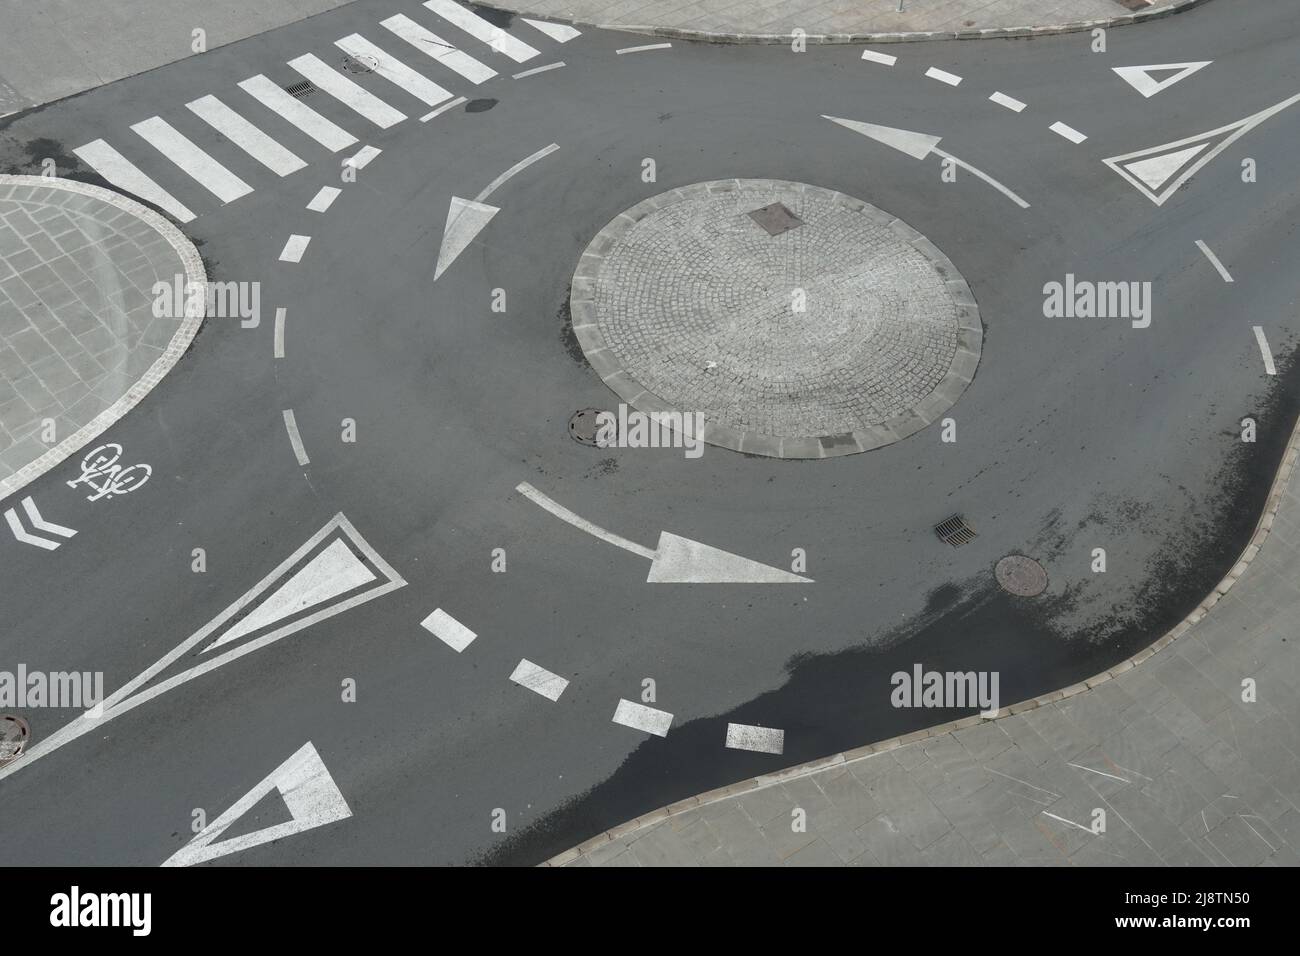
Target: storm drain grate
(776, 219)
(299, 90)
(14, 734)
(955, 531)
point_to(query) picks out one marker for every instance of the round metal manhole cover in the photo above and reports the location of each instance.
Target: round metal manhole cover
(583, 426)
(360, 63)
(14, 734)
(1020, 575)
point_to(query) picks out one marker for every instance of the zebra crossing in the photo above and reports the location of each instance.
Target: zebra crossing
(268, 122)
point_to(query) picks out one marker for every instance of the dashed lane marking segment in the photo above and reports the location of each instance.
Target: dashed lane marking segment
(1214, 261)
(539, 680)
(330, 135)
(442, 109)
(644, 49)
(1140, 78)
(886, 58)
(448, 630)
(279, 333)
(140, 690)
(438, 48)
(295, 248)
(1010, 102)
(1158, 171)
(764, 740)
(324, 199)
(495, 37)
(291, 426)
(205, 170)
(677, 560)
(1069, 132)
(943, 76)
(245, 135)
(394, 70)
(641, 717)
(38, 524)
(919, 146)
(308, 790)
(125, 175)
(1265, 351)
(363, 158)
(538, 69)
(346, 92)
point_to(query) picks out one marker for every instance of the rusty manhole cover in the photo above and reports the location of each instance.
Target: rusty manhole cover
(776, 218)
(1020, 575)
(360, 63)
(583, 426)
(14, 734)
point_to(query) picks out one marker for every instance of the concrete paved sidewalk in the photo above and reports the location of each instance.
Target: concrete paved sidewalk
(1185, 771)
(749, 18)
(79, 341)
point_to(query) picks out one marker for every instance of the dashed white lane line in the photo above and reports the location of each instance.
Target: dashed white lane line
(1069, 132)
(346, 92)
(1265, 351)
(394, 70)
(874, 57)
(362, 159)
(1214, 260)
(442, 109)
(293, 110)
(245, 135)
(538, 69)
(205, 170)
(480, 29)
(279, 332)
(943, 76)
(641, 717)
(291, 426)
(763, 740)
(124, 174)
(294, 248)
(539, 680)
(438, 48)
(448, 630)
(1010, 102)
(644, 49)
(324, 199)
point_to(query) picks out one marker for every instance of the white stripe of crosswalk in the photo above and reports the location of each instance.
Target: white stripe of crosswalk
(559, 32)
(246, 136)
(394, 70)
(329, 135)
(345, 91)
(205, 170)
(125, 175)
(438, 48)
(498, 39)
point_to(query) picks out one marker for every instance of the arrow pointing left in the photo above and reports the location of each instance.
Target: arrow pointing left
(39, 524)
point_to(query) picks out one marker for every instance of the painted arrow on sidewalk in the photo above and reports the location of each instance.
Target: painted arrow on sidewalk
(677, 560)
(39, 524)
(920, 146)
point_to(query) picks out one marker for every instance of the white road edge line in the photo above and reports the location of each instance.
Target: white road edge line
(1214, 260)
(643, 49)
(943, 76)
(1265, 351)
(442, 109)
(291, 426)
(279, 332)
(1010, 102)
(538, 69)
(641, 717)
(538, 679)
(763, 740)
(514, 170)
(1069, 132)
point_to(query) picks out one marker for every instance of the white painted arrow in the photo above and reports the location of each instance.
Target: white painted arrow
(677, 560)
(40, 524)
(1140, 78)
(310, 793)
(920, 146)
(465, 220)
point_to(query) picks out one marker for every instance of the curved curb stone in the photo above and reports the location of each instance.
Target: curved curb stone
(1262, 528)
(187, 328)
(607, 364)
(679, 33)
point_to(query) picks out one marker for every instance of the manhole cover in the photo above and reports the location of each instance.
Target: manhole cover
(360, 63)
(14, 734)
(776, 218)
(583, 426)
(1021, 575)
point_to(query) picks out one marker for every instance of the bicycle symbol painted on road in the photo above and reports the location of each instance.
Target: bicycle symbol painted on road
(100, 471)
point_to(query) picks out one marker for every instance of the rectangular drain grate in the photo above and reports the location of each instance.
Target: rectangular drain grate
(955, 531)
(299, 90)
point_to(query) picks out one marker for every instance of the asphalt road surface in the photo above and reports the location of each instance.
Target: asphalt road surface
(1075, 434)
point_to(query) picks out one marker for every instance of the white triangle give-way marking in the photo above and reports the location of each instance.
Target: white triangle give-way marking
(1140, 78)
(312, 796)
(1158, 169)
(465, 220)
